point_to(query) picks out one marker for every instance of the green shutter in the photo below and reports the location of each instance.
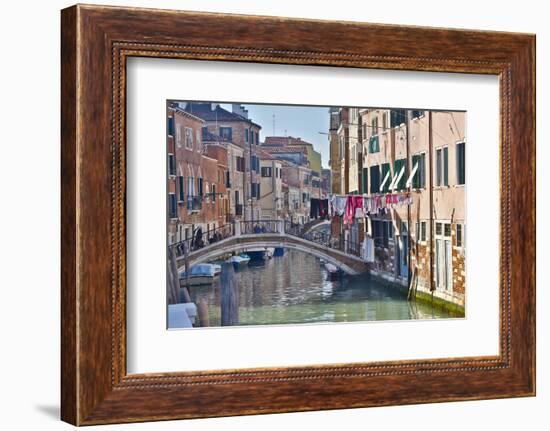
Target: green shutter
(365, 182)
(461, 171)
(416, 179)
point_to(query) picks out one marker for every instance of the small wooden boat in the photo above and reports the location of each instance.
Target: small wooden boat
(239, 262)
(199, 275)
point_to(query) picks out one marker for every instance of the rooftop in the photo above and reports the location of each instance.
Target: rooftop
(207, 113)
(284, 140)
(279, 150)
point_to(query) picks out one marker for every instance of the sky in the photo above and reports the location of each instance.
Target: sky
(298, 121)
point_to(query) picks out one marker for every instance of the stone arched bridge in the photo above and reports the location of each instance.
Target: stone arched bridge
(348, 263)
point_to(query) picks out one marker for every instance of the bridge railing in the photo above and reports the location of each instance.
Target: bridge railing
(261, 226)
(207, 238)
(352, 247)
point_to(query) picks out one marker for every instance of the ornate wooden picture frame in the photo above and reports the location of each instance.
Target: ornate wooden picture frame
(96, 41)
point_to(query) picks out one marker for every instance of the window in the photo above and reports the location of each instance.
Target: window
(386, 232)
(204, 132)
(171, 126)
(374, 179)
(266, 172)
(188, 137)
(461, 163)
(254, 163)
(255, 190)
(207, 194)
(191, 187)
(423, 231)
(181, 189)
(438, 228)
(385, 171)
(378, 232)
(198, 138)
(416, 113)
(374, 126)
(459, 241)
(226, 133)
(213, 192)
(374, 144)
(178, 136)
(171, 165)
(364, 131)
(420, 231)
(398, 166)
(227, 179)
(172, 205)
(397, 117)
(419, 179)
(447, 229)
(246, 132)
(384, 121)
(442, 167)
(200, 189)
(240, 164)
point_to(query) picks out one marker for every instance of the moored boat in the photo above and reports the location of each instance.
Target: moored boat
(201, 274)
(333, 272)
(239, 262)
(257, 253)
(217, 268)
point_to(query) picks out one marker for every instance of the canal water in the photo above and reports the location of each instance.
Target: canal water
(294, 289)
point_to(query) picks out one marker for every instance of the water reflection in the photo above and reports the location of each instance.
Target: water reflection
(294, 289)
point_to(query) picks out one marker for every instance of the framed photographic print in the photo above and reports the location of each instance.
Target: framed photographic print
(272, 219)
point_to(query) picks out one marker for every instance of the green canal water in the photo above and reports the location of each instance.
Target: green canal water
(295, 289)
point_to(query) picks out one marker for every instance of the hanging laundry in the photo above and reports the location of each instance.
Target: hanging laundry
(339, 205)
(323, 208)
(352, 204)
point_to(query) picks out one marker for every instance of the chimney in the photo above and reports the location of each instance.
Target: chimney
(238, 109)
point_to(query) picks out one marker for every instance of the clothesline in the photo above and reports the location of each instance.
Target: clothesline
(360, 206)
